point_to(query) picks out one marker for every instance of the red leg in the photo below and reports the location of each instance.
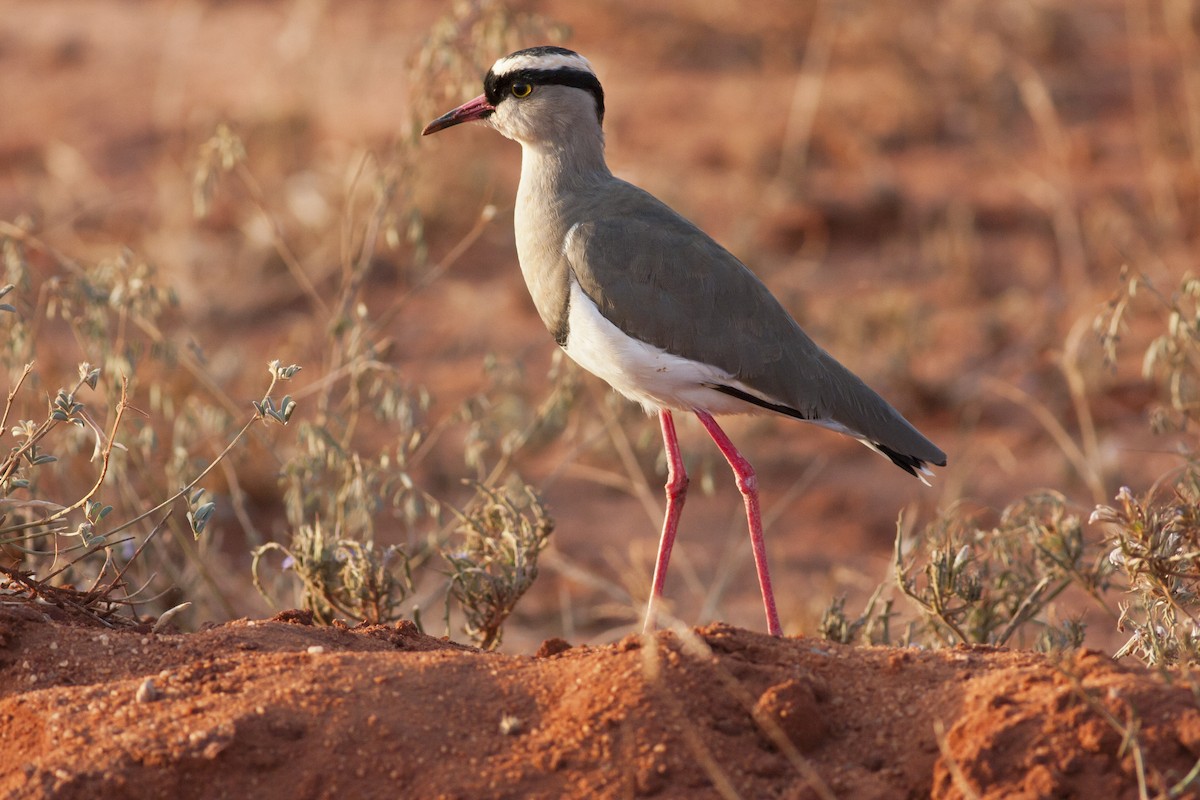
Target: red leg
(747, 483)
(676, 489)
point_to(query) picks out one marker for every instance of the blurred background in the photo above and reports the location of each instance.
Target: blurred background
(952, 197)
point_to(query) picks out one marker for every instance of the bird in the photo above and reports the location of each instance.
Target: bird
(642, 298)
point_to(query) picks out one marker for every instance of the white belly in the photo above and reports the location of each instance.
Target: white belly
(642, 372)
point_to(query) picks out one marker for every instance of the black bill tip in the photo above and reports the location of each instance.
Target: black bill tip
(479, 108)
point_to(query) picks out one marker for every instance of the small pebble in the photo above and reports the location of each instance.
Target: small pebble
(147, 692)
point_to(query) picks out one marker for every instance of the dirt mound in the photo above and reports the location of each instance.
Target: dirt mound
(283, 709)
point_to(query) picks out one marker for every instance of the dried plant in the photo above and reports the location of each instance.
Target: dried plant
(983, 585)
(977, 584)
(1154, 538)
(51, 539)
(363, 528)
(463, 44)
(871, 627)
(348, 577)
(1172, 359)
(1155, 544)
(495, 562)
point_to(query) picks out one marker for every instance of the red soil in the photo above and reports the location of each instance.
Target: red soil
(282, 709)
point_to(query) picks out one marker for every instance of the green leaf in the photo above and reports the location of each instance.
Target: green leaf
(199, 518)
(286, 406)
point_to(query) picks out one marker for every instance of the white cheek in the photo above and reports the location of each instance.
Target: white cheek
(508, 121)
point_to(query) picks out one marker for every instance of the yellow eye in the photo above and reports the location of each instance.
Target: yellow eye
(522, 89)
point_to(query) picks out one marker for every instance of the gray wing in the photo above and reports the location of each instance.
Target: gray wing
(662, 280)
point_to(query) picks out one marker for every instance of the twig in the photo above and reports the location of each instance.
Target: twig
(13, 394)
(122, 404)
(699, 648)
(652, 669)
(1086, 470)
(258, 196)
(806, 97)
(1029, 606)
(192, 484)
(901, 573)
(956, 774)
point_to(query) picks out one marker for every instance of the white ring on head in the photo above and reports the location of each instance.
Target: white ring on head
(544, 61)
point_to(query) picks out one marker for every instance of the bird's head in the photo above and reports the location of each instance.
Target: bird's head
(535, 96)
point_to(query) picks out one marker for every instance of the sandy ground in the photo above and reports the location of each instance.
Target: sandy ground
(281, 709)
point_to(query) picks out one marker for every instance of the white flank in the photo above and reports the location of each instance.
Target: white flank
(546, 61)
(642, 372)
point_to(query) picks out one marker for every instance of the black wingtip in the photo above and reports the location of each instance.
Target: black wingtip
(910, 464)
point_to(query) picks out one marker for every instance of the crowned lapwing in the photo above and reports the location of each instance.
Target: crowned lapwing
(639, 296)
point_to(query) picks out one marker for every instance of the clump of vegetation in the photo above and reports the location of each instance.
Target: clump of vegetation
(872, 626)
(367, 540)
(1137, 559)
(1153, 540)
(984, 585)
(996, 584)
(495, 563)
(344, 577)
(363, 539)
(71, 517)
(1156, 546)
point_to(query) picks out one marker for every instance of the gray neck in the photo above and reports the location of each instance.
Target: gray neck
(553, 177)
(555, 181)
(575, 158)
